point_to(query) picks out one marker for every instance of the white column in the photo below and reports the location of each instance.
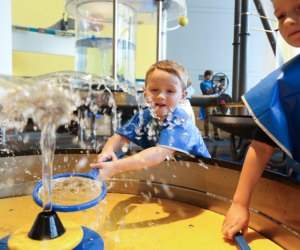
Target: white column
(6, 38)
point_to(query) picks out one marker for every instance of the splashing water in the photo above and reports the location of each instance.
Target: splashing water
(50, 101)
(73, 190)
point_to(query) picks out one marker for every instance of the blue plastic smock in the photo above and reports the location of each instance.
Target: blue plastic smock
(177, 132)
(274, 103)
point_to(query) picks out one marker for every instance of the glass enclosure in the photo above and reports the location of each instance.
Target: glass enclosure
(94, 39)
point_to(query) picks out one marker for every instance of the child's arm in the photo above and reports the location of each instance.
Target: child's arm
(145, 158)
(237, 217)
(113, 145)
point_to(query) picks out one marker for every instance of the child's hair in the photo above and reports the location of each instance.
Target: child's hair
(171, 67)
(208, 73)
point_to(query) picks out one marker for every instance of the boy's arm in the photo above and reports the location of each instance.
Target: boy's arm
(146, 158)
(237, 218)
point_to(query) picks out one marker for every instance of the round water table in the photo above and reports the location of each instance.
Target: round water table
(177, 205)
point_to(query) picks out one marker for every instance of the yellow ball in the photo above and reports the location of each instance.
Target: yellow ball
(183, 20)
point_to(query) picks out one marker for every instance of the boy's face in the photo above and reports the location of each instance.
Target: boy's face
(208, 77)
(288, 15)
(163, 92)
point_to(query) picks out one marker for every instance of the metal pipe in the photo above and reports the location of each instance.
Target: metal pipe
(115, 57)
(115, 43)
(159, 30)
(266, 24)
(244, 35)
(163, 35)
(236, 50)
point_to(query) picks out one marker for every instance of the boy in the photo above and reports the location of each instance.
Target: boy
(276, 114)
(208, 87)
(161, 129)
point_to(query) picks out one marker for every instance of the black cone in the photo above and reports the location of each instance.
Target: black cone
(47, 226)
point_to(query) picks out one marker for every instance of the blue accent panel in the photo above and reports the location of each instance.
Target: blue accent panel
(90, 240)
(4, 243)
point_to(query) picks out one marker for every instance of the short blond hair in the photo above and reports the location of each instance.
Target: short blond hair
(171, 67)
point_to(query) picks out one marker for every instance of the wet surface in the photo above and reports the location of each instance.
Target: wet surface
(131, 222)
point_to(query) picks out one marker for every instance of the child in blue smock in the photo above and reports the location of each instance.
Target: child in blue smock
(274, 105)
(161, 129)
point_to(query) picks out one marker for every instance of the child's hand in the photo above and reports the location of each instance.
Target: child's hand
(106, 169)
(236, 220)
(106, 156)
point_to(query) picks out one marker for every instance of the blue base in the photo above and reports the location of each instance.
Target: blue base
(90, 240)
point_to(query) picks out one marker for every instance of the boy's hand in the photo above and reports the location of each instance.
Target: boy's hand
(236, 220)
(107, 169)
(106, 156)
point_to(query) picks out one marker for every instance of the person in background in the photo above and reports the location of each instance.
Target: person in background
(160, 129)
(208, 87)
(274, 105)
